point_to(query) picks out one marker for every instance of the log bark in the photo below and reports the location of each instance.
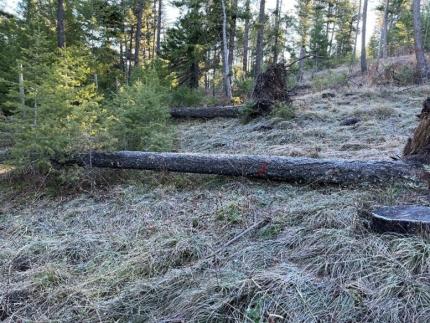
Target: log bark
(206, 112)
(298, 170)
(279, 168)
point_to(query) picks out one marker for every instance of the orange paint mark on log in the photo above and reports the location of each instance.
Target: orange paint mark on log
(262, 171)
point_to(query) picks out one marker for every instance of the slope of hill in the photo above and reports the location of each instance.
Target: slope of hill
(157, 248)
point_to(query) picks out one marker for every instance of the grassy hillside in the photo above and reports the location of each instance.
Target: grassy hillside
(146, 249)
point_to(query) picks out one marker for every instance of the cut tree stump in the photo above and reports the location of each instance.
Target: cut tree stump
(206, 112)
(401, 219)
(298, 170)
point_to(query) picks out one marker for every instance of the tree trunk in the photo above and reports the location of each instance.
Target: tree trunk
(277, 23)
(21, 87)
(232, 39)
(207, 112)
(260, 39)
(301, 64)
(225, 55)
(121, 57)
(363, 39)
(154, 28)
(329, 39)
(130, 54)
(138, 33)
(384, 51)
(61, 38)
(300, 170)
(160, 12)
(246, 38)
(354, 52)
(418, 38)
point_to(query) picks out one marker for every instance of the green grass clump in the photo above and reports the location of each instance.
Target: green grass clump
(283, 110)
(184, 96)
(329, 80)
(231, 213)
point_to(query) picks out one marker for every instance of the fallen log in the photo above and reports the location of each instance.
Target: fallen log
(299, 170)
(207, 112)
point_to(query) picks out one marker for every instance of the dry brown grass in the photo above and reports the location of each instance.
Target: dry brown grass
(139, 251)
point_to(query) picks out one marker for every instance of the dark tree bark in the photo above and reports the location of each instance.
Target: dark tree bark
(138, 34)
(207, 112)
(246, 37)
(260, 39)
(418, 38)
(300, 170)
(61, 38)
(363, 39)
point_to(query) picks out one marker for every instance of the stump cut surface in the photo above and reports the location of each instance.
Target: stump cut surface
(401, 219)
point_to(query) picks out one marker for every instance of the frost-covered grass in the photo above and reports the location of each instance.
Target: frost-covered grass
(388, 117)
(144, 250)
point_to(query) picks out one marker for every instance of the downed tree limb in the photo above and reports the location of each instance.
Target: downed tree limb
(207, 112)
(300, 170)
(254, 227)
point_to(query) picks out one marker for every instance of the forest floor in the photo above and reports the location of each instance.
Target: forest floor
(154, 248)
